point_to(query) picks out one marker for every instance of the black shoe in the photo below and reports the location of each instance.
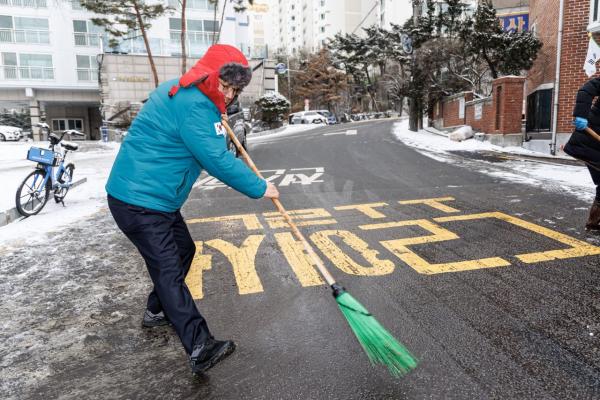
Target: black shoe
(206, 355)
(151, 320)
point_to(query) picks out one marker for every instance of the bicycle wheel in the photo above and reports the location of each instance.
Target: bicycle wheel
(65, 177)
(30, 199)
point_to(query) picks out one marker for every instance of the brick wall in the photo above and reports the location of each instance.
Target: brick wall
(574, 50)
(500, 113)
(446, 113)
(543, 19)
(480, 114)
(507, 97)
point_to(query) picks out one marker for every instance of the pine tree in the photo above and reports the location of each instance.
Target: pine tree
(122, 17)
(504, 52)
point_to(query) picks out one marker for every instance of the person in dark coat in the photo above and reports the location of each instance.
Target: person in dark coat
(585, 147)
(177, 134)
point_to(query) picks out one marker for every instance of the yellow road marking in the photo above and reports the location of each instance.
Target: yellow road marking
(250, 221)
(433, 203)
(367, 209)
(242, 259)
(399, 248)
(309, 216)
(341, 260)
(300, 262)
(577, 248)
(193, 280)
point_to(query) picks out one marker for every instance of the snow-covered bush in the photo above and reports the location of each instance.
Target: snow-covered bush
(272, 106)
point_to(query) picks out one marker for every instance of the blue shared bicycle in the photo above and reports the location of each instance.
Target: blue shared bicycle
(50, 174)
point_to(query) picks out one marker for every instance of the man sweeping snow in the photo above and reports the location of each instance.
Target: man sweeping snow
(178, 133)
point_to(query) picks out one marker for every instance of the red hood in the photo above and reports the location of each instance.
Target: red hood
(205, 74)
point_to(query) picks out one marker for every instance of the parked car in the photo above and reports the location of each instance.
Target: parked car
(295, 118)
(312, 117)
(10, 133)
(330, 117)
(240, 124)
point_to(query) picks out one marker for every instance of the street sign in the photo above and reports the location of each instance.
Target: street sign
(406, 43)
(281, 68)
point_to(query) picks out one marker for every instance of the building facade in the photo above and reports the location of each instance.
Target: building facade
(558, 73)
(50, 53)
(307, 25)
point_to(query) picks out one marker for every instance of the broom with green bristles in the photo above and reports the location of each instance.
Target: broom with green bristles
(381, 347)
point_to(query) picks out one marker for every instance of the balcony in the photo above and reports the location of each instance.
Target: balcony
(24, 3)
(24, 36)
(12, 72)
(87, 74)
(196, 45)
(88, 39)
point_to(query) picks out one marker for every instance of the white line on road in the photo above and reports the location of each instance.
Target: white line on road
(347, 132)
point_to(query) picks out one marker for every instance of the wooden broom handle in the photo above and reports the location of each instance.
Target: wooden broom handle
(592, 133)
(315, 258)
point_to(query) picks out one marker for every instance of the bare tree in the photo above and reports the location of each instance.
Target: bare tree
(122, 17)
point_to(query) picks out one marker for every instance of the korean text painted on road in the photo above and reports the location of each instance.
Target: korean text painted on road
(354, 252)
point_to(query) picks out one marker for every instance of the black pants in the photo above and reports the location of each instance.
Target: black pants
(164, 241)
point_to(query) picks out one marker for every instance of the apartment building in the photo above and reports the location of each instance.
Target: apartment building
(308, 24)
(50, 52)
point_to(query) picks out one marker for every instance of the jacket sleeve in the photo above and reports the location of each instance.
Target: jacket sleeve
(200, 136)
(585, 97)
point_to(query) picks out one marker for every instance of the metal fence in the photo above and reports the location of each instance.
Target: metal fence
(25, 3)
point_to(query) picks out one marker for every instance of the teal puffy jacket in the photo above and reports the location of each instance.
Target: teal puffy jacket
(169, 143)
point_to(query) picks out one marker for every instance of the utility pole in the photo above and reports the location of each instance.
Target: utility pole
(289, 80)
(414, 114)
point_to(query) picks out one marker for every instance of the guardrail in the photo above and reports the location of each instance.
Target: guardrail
(24, 36)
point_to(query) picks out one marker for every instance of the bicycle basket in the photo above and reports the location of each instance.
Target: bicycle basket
(42, 156)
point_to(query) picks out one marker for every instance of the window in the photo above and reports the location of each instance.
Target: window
(24, 30)
(594, 25)
(26, 66)
(199, 35)
(322, 16)
(322, 29)
(62, 124)
(87, 68)
(9, 66)
(86, 33)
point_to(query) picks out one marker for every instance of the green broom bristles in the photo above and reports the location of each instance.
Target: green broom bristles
(381, 347)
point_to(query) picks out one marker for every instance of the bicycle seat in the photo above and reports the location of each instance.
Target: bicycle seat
(69, 145)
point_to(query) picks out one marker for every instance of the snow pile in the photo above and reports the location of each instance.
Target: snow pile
(93, 161)
(461, 134)
(279, 132)
(571, 179)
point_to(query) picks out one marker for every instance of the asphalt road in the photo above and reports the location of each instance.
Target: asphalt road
(492, 285)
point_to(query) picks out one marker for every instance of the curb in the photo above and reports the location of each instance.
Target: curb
(12, 215)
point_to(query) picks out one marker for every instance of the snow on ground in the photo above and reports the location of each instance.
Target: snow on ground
(93, 161)
(575, 180)
(287, 130)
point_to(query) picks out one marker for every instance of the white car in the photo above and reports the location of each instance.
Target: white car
(10, 133)
(312, 117)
